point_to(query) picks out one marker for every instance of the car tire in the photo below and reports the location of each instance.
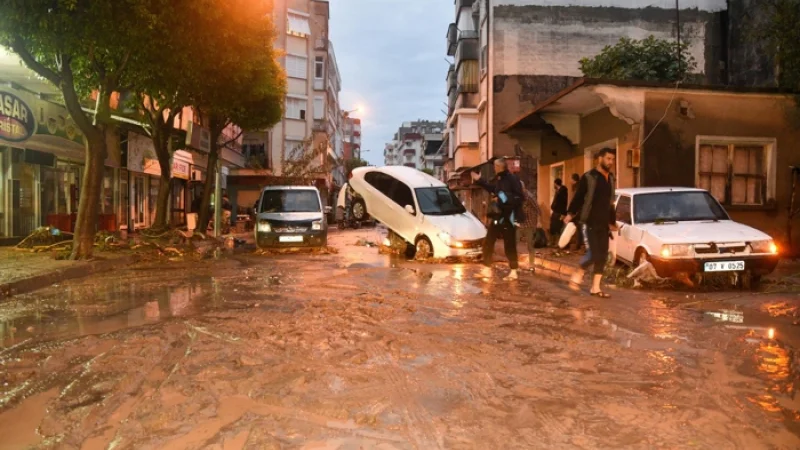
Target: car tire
(359, 210)
(423, 249)
(640, 257)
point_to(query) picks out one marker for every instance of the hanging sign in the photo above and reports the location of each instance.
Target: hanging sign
(17, 123)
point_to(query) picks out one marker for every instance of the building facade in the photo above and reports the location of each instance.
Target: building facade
(525, 51)
(352, 137)
(408, 146)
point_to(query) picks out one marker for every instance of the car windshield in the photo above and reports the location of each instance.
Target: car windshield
(677, 207)
(289, 201)
(439, 201)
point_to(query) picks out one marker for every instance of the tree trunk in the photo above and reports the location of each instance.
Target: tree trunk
(211, 170)
(162, 145)
(89, 202)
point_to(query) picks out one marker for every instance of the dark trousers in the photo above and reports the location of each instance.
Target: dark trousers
(596, 238)
(509, 242)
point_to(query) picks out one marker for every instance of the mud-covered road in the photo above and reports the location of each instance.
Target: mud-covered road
(358, 350)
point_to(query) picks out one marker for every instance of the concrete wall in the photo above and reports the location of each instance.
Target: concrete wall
(550, 37)
(668, 156)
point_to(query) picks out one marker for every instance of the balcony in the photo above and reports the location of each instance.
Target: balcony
(319, 126)
(463, 4)
(468, 47)
(452, 38)
(468, 79)
(451, 99)
(321, 44)
(451, 77)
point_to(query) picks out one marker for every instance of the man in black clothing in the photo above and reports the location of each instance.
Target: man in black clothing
(506, 191)
(558, 209)
(593, 205)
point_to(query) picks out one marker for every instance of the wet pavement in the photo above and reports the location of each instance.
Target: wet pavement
(358, 350)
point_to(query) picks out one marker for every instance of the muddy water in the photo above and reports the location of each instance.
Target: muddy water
(359, 350)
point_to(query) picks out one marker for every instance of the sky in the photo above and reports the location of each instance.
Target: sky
(391, 56)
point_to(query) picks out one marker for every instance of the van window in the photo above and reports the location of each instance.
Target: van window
(290, 201)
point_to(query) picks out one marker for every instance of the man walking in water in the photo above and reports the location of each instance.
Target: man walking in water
(593, 205)
(507, 197)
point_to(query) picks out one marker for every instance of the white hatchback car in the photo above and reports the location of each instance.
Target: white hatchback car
(419, 209)
(686, 231)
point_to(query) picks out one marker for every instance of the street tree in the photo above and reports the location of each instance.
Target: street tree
(83, 47)
(354, 163)
(777, 28)
(245, 87)
(648, 59)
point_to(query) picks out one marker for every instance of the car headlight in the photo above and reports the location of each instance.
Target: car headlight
(764, 247)
(264, 227)
(316, 226)
(675, 250)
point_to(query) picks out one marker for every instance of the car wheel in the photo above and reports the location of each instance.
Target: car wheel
(641, 256)
(424, 249)
(359, 210)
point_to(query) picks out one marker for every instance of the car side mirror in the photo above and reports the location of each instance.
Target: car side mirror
(410, 209)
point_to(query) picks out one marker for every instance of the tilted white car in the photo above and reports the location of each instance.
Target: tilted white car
(684, 230)
(419, 209)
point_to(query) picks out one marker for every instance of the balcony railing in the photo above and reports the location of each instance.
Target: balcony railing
(468, 77)
(468, 48)
(452, 38)
(451, 77)
(463, 4)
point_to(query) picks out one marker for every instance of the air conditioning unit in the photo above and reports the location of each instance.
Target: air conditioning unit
(634, 157)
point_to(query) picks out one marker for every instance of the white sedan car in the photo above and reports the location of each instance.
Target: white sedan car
(420, 210)
(686, 231)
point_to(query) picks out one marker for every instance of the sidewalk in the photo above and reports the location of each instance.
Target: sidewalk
(558, 262)
(22, 272)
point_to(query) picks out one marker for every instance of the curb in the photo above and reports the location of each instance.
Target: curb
(554, 265)
(34, 283)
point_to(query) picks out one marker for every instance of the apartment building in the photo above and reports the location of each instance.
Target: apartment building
(312, 118)
(511, 55)
(408, 146)
(432, 158)
(352, 137)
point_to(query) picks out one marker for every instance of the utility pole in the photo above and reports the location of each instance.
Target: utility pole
(218, 199)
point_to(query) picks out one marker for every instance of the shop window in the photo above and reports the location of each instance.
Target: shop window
(108, 191)
(735, 173)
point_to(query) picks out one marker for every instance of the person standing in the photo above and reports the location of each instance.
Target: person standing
(527, 227)
(558, 208)
(578, 239)
(593, 206)
(506, 191)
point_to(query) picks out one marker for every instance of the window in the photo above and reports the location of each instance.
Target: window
(319, 67)
(293, 150)
(624, 210)
(297, 66)
(296, 108)
(379, 181)
(401, 194)
(290, 201)
(319, 107)
(439, 201)
(687, 206)
(297, 25)
(735, 174)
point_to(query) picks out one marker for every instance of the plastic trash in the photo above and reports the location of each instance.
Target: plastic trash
(566, 235)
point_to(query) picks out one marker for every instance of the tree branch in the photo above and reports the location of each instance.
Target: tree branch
(18, 46)
(236, 138)
(72, 102)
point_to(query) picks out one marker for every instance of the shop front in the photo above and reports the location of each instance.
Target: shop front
(41, 167)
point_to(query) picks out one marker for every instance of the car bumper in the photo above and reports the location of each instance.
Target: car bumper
(473, 249)
(310, 239)
(669, 267)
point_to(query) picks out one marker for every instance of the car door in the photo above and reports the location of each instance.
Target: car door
(377, 199)
(402, 222)
(625, 236)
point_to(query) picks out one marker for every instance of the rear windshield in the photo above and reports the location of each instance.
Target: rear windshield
(289, 201)
(439, 201)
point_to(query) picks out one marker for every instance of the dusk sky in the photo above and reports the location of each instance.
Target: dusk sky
(391, 55)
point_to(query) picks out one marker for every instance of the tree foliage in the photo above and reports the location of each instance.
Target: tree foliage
(778, 29)
(648, 59)
(354, 163)
(83, 47)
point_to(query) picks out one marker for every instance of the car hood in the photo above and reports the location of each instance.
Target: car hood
(291, 217)
(703, 232)
(462, 227)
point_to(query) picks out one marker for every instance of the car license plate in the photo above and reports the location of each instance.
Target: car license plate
(291, 239)
(726, 266)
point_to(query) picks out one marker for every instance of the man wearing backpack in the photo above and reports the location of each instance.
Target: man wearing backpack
(504, 211)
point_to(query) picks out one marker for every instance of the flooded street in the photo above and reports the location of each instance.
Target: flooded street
(357, 350)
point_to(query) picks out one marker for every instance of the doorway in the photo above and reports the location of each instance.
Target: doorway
(556, 171)
(139, 204)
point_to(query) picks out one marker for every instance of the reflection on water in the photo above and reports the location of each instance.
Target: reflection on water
(108, 306)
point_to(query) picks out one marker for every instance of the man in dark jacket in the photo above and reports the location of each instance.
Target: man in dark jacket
(593, 205)
(507, 194)
(558, 209)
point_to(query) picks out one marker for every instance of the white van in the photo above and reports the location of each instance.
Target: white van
(419, 209)
(290, 216)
